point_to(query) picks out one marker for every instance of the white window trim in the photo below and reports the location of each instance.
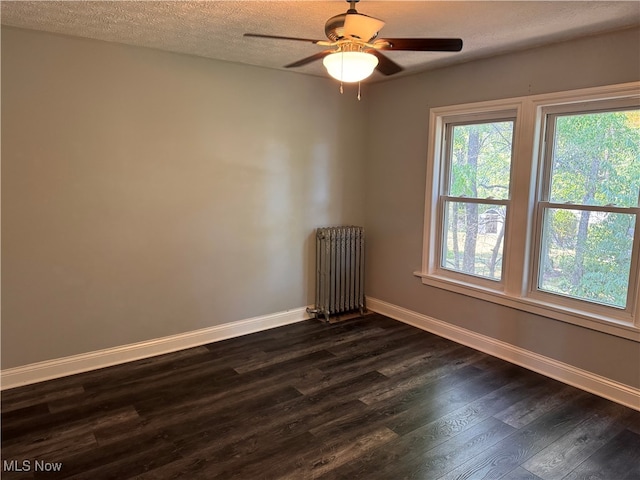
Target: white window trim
(448, 124)
(514, 290)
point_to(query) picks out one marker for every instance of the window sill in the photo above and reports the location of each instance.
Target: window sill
(592, 321)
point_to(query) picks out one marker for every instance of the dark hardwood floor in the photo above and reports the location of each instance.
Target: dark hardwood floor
(369, 398)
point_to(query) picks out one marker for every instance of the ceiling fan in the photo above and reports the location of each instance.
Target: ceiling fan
(355, 50)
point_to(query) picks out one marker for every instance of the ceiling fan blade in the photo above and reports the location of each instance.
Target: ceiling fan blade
(386, 66)
(420, 44)
(361, 27)
(312, 58)
(278, 37)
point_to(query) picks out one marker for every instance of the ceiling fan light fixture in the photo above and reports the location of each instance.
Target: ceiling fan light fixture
(350, 67)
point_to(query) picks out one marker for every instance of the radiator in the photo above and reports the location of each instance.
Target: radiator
(339, 271)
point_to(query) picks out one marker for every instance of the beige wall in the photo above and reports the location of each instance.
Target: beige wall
(146, 194)
(396, 174)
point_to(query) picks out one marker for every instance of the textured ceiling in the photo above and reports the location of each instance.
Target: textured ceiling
(214, 29)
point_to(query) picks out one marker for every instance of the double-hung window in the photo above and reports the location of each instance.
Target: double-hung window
(474, 196)
(589, 207)
(534, 203)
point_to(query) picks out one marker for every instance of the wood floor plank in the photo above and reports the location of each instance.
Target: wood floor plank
(562, 456)
(451, 424)
(432, 434)
(434, 461)
(262, 457)
(323, 337)
(149, 367)
(364, 398)
(534, 406)
(12, 420)
(381, 339)
(328, 372)
(493, 402)
(525, 443)
(52, 445)
(412, 409)
(39, 390)
(221, 464)
(223, 420)
(429, 371)
(188, 413)
(324, 453)
(618, 459)
(520, 474)
(275, 356)
(634, 421)
(282, 421)
(297, 414)
(436, 399)
(432, 349)
(160, 386)
(226, 393)
(29, 400)
(43, 425)
(338, 452)
(127, 459)
(377, 358)
(47, 440)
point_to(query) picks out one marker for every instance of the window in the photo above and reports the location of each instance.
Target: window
(475, 196)
(588, 206)
(534, 203)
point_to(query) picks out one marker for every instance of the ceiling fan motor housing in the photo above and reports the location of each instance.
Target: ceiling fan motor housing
(334, 28)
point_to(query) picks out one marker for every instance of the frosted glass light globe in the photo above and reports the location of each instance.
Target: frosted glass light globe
(350, 67)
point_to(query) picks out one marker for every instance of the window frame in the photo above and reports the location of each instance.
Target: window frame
(544, 203)
(445, 196)
(517, 287)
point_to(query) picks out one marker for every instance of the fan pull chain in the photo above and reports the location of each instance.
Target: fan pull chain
(341, 71)
(358, 91)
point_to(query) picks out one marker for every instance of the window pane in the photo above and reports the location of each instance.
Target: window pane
(596, 159)
(587, 255)
(481, 160)
(474, 236)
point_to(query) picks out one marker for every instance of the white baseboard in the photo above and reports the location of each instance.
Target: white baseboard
(61, 367)
(604, 387)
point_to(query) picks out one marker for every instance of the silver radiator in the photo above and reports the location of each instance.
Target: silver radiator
(339, 271)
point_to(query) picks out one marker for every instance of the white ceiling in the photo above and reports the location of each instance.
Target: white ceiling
(214, 29)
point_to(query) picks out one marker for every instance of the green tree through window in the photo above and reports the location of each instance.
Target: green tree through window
(589, 224)
(478, 191)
